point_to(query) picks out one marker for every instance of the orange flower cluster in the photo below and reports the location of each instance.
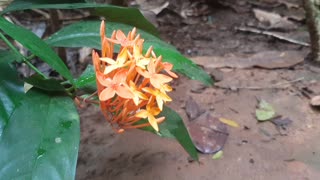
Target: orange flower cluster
(131, 85)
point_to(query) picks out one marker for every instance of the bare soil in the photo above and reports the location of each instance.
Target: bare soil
(256, 151)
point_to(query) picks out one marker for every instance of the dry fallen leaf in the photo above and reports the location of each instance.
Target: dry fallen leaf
(272, 20)
(229, 122)
(265, 111)
(193, 109)
(264, 59)
(208, 133)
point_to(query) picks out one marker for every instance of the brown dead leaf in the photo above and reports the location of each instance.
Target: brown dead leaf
(208, 133)
(193, 110)
(265, 59)
(270, 20)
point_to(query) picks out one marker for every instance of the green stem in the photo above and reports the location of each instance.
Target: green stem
(25, 60)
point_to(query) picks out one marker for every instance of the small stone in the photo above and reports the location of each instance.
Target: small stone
(315, 101)
(251, 161)
(197, 87)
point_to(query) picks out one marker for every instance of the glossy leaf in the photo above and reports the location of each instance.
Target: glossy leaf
(11, 93)
(86, 34)
(110, 12)
(87, 80)
(41, 140)
(37, 46)
(8, 56)
(45, 84)
(173, 127)
(32, 4)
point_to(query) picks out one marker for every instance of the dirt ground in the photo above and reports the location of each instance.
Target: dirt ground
(256, 151)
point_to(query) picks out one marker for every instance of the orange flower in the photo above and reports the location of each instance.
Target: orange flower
(120, 62)
(140, 60)
(156, 79)
(123, 40)
(115, 86)
(137, 95)
(161, 97)
(131, 86)
(149, 113)
(168, 67)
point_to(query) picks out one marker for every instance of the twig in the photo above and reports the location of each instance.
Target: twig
(274, 86)
(267, 33)
(43, 13)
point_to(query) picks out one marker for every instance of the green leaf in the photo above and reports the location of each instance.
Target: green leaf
(8, 56)
(41, 140)
(218, 155)
(110, 12)
(36, 46)
(123, 15)
(11, 93)
(86, 34)
(32, 4)
(173, 127)
(45, 84)
(87, 80)
(265, 111)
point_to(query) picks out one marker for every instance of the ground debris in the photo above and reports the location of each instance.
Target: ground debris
(271, 20)
(315, 101)
(193, 109)
(208, 133)
(265, 59)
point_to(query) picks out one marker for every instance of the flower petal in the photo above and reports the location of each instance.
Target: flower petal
(120, 35)
(150, 90)
(136, 100)
(153, 122)
(143, 72)
(154, 111)
(164, 96)
(108, 60)
(159, 102)
(142, 114)
(123, 56)
(136, 51)
(151, 67)
(109, 69)
(142, 63)
(107, 94)
(120, 76)
(124, 92)
(159, 79)
(104, 82)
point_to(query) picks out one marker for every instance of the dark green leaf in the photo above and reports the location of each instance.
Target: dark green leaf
(36, 46)
(45, 84)
(111, 13)
(87, 34)
(31, 4)
(11, 93)
(8, 56)
(41, 140)
(87, 80)
(124, 15)
(173, 127)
